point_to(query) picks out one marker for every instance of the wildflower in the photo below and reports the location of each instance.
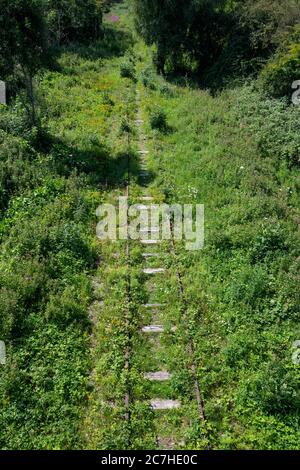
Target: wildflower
(114, 19)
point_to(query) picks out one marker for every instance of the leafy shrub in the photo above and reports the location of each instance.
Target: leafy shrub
(15, 120)
(148, 78)
(127, 70)
(166, 90)
(70, 306)
(106, 99)
(23, 287)
(273, 125)
(89, 160)
(279, 74)
(276, 388)
(17, 171)
(223, 243)
(250, 286)
(240, 348)
(158, 119)
(44, 387)
(125, 127)
(9, 307)
(270, 240)
(28, 203)
(65, 236)
(76, 21)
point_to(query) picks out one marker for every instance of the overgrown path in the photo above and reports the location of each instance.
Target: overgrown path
(161, 333)
(164, 348)
(144, 389)
(183, 343)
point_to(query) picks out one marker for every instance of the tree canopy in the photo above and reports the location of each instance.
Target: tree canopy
(194, 35)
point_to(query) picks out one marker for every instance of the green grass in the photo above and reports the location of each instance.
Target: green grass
(51, 185)
(236, 153)
(64, 295)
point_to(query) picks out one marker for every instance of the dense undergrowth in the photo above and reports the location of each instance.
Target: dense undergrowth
(62, 315)
(52, 181)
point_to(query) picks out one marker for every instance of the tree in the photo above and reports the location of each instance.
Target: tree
(23, 44)
(269, 22)
(181, 29)
(161, 22)
(28, 29)
(70, 20)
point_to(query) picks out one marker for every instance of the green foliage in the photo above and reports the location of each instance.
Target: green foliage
(107, 99)
(166, 90)
(267, 243)
(158, 118)
(274, 125)
(127, 69)
(148, 78)
(125, 127)
(28, 31)
(242, 288)
(42, 388)
(51, 182)
(17, 172)
(23, 39)
(222, 40)
(186, 33)
(268, 22)
(24, 49)
(253, 31)
(275, 388)
(73, 20)
(14, 120)
(279, 74)
(70, 305)
(237, 152)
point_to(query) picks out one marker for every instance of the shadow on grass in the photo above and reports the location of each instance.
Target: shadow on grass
(114, 43)
(167, 130)
(95, 160)
(234, 66)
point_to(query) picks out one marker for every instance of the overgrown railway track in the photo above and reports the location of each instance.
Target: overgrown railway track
(158, 405)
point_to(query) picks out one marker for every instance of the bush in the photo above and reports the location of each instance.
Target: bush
(125, 127)
(241, 349)
(267, 243)
(279, 74)
(70, 306)
(106, 99)
(44, 388)
(273, 124)
(276, 389)
(127, 70)
(23, 288)
(158, 119)
(15, 120)
(17, 171)
(148, 78)
(249, 286)
(166, 90)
